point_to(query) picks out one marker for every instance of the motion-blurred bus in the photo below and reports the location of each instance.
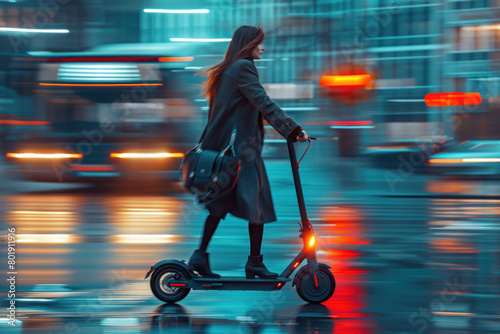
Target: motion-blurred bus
(123, 111)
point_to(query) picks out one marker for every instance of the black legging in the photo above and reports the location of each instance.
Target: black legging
(256, 232)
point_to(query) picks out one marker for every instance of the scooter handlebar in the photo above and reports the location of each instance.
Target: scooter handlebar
(301, 134)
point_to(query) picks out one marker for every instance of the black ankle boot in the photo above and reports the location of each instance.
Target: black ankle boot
(199, 262)
(255, 267)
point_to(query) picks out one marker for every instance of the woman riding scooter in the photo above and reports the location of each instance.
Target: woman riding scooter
(238, 101)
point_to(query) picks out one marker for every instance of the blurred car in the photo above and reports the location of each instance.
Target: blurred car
(125, 111)
(473, 158)
(394, 153)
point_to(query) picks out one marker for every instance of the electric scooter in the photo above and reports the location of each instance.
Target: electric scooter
(171, 280)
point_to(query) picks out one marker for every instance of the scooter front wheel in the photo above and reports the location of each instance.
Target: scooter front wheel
(159, 284)
(306, 285)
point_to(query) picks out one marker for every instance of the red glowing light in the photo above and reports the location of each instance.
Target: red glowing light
(14, 122)
(92, 168)
(351, 123)
(452, 99)
(177, 284)
(296, 265)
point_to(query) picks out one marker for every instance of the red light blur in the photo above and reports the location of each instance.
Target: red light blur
(452, 99)
(351, 123)
(90, 168)
(14, 122)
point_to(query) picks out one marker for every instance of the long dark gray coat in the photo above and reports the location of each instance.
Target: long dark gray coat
(242, 102)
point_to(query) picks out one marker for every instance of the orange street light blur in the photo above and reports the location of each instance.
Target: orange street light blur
(461, 161)
(45, 156)
(146, 155)
(452, 99)
(355, 80)
(312, 241)
(170, 59)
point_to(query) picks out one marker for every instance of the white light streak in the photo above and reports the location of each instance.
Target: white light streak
(177, 11)
(300, 108)
(40, 31)
(352, 127)
(143, 238)
(99, 75)
(45, 238)
(95, 70)
(74, 66)
(481, 160)
(195, 40)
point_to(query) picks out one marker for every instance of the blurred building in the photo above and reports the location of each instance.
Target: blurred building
(471, 63)
(410, 48)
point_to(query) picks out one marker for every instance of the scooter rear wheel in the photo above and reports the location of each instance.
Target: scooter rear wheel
(308, 292)
(160, 279)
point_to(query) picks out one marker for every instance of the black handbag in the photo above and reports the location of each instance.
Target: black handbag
(210, 174)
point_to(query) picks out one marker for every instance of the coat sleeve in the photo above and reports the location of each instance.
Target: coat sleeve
(249, 85)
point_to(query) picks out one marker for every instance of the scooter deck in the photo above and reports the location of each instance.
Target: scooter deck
(231, 283)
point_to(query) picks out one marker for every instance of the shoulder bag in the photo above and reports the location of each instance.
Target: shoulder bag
(210, 174)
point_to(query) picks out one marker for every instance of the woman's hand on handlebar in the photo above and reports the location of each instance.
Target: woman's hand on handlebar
(302, 137)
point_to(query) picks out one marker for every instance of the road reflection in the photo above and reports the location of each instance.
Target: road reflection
(464, 250)
(84, 255)
(69, 239)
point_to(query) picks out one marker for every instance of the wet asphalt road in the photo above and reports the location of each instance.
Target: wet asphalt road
(421, 256)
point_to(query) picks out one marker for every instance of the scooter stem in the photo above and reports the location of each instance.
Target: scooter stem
(298, 185)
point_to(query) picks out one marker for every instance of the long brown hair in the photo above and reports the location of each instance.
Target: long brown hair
(244, 40)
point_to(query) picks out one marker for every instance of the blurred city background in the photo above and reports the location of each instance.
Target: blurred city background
(99, 100)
